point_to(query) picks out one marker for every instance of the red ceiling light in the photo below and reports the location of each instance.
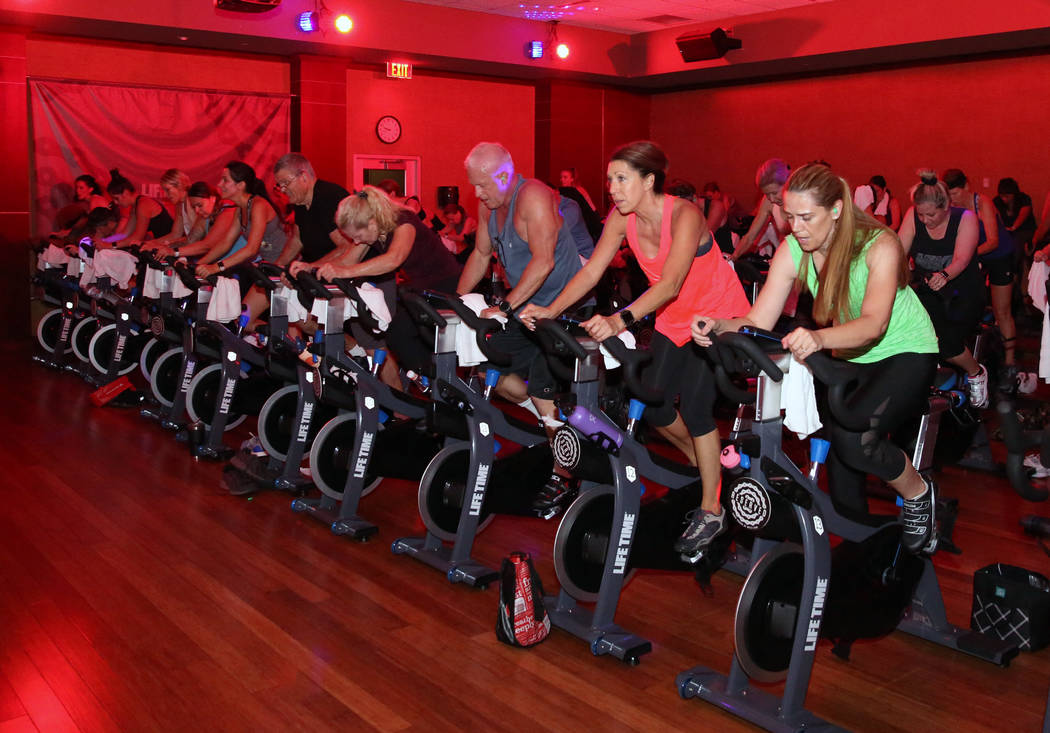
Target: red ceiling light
(562, 50)
(344, 24)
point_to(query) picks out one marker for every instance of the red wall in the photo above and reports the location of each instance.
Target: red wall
(14, 184)
(987, 117)
(579, 125)
(442, 118)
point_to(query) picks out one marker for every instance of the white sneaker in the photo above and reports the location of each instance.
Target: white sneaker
(978, 388)
(1027, 382)
(1032, 461)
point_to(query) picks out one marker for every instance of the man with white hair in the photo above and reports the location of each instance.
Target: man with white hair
(518, 220)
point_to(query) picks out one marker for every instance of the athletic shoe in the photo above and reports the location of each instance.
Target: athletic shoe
(703, 527)
(918, 518)
(1032, 461)
(555, 495)
(978, 388)
(1027, 382)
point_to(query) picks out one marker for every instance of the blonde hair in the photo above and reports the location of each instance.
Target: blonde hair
(852, 231)
(368, 204)
(930, 190)
(175, 177)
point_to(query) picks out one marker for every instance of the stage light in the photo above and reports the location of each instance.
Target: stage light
(343, 24)
(309, 22)
(534, 50)
(562, 50)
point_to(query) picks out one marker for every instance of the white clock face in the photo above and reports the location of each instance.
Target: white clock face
(388, 129)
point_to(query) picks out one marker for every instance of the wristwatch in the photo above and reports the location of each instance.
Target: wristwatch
(505, 308)
(222, 266)
(176, 251)
(944, 273)
(627, 317)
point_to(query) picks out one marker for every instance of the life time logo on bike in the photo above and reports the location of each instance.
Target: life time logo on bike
(749, 503)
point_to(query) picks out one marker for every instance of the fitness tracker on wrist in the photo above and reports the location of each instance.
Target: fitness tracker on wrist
(945, 274)
(627, 317)
(505, 308)
(176, 251)
(222, 266)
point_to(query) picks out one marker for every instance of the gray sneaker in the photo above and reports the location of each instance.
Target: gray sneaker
(703, 527)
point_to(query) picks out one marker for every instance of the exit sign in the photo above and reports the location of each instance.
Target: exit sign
(398, 70)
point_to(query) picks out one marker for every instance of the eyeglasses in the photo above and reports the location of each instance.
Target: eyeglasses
(283, 185)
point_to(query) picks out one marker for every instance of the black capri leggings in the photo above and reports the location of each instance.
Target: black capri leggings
(891, 391)
(682, 372)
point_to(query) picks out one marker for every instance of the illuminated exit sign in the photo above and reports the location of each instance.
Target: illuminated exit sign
(398, 70)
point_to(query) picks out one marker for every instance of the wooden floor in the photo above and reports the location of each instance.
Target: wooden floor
(135, 596)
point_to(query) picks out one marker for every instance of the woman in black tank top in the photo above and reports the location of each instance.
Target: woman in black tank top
(942, 241)
(147, 217)
(392, 242)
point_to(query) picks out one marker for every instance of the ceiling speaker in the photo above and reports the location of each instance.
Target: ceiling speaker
(706, 46)
(247, 6)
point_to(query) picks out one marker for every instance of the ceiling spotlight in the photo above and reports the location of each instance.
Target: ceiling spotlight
(562, 50)
(309, 22)
(534, 50)
(343, 24)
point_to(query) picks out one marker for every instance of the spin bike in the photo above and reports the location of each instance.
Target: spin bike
(798, 589)
(608, 532)
(355, 450)
(466, 483)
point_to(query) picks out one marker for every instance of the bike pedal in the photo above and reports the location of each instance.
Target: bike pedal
(692, 559)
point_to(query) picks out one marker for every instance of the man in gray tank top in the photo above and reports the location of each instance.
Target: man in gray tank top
(518, 220)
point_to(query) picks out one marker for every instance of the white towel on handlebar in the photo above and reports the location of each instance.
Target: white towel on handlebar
(798, 400)
(1037, 290)
(154, 280)
(296, 312)
(467, 350)
(611, 362)
(225, 304)
(52, 257)
(117, 264)
(373, 298)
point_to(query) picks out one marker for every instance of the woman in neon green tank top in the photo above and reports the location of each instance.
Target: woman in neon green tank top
(858, 274)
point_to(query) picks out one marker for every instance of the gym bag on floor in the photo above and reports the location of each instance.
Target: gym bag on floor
(522, 619)
(1013, 604)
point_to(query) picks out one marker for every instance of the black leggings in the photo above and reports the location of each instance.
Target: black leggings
(682, 372)
(891, 391)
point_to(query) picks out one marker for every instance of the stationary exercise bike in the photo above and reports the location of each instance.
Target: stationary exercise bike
(355, 450)
(467, 484)
(609, 531)
(797, 589)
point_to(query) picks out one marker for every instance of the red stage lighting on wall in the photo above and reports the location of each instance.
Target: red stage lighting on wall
(534, 50)
(562, 50)
(309, 22)
(343, 24)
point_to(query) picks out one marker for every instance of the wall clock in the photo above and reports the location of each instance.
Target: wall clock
(388, 129)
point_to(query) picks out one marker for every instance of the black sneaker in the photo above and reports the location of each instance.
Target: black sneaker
(555, 495)
(918, 518)
(703, 527)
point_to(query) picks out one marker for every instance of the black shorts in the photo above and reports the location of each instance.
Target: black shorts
(1000, 270)
(681, 372)
(528, 360)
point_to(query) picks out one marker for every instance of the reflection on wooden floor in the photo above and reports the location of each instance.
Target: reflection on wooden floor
(136, 596)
